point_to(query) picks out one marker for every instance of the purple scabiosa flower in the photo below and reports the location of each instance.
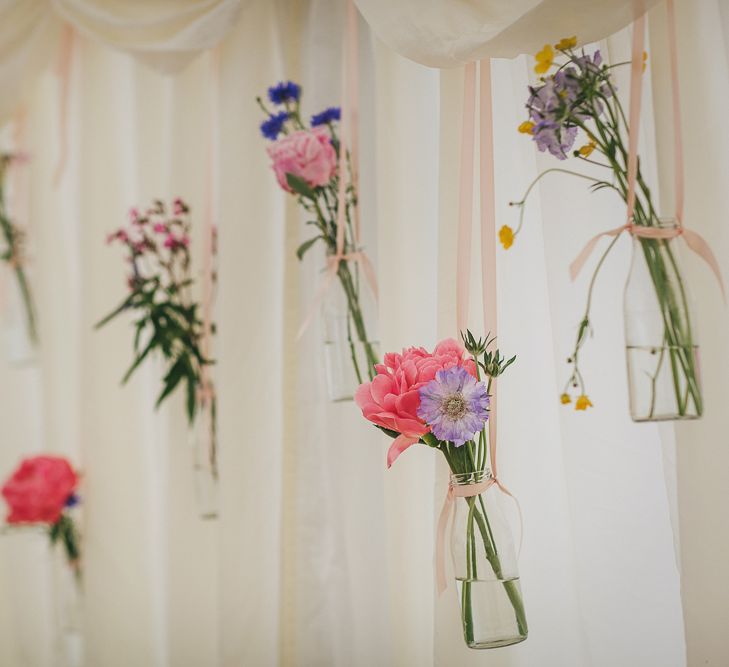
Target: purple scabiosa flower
(327, 116)
(272, 126)
(553, 138)
(454, 405)
(284, 91)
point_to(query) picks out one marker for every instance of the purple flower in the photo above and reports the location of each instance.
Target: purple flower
(454, 405)
(327, 116)
(272, 126)
(284, 91)
(555, 139)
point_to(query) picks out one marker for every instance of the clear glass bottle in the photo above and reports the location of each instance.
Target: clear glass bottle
(203, 439)
(17, 312)
(350, 344)
(484, 562)
(660, 333)
(69, 614)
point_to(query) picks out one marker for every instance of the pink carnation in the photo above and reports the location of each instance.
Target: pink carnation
(308, 154)
(39, 489)
(392, 399)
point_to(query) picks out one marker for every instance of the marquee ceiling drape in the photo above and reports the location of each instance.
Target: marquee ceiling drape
(448, 33)
(164, 34)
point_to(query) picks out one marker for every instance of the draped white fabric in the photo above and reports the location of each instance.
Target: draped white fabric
(448, 33)
(165, 34)
(320, 556)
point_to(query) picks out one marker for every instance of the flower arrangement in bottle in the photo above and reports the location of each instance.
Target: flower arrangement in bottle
(42, 492)
(13, 253)
(168, 319)
(440, 399)
(574, 97)
(305, 161)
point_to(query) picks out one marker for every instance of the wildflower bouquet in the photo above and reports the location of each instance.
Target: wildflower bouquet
(578, 96)
(441, 400)
(160, 295)
(41, 492)
(14, 239)
(304, 159)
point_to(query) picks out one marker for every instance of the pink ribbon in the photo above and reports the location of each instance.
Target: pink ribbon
(693, 239)
(64, 75)
(206, 394)
(488, 273)
(350, 113)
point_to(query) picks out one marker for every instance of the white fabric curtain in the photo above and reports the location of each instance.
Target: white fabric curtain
(320, 556)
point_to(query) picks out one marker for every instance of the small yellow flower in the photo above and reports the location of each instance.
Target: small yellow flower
(586, 150)
(544, 59)
(566, 43)
(527, 127)
(506, 236)
(645, 60)
(582, 402)
(565, 398)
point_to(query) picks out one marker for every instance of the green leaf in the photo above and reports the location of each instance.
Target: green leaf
(300, 186)
(140, 358)
(171, 380)
(127, 302)
(191, 397)
(301, 250)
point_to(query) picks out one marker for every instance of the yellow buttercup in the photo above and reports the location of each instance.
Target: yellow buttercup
(582, 403)
(506, 236)
(566, 43)
(544, 59)
(586, 150)
(527, 127)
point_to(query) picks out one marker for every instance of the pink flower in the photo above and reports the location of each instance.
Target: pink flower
(308, 154)
(119, 234)
(185, 240)
(133, 214)
(170, 241)
(160, 228)
(38, 490)
(179, 207)
(392, 399)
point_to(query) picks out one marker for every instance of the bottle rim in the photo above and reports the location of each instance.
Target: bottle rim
(470, 478)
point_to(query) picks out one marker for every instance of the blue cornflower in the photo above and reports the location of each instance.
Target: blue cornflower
(272, 126)
(284, 91)
(327, 116)
(454, 405)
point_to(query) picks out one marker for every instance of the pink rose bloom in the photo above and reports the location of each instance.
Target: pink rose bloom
(308, 154)
(160, 228)
(39, 489)
(392, 399)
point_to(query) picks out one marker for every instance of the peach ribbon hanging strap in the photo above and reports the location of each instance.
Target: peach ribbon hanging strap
(349, 121)
(206, 394)
(64, 75)
(693, 239)
(488, 274)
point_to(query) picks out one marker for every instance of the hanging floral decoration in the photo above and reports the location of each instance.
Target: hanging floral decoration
(168, 319)
(43, 492)
(574, 113)
(304, 158)
(14, 241)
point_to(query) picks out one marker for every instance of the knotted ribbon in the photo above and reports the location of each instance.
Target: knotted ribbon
(693, 239)
(488, 274)
(350, 117)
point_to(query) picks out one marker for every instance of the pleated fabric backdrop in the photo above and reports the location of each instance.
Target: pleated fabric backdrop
(320, 556)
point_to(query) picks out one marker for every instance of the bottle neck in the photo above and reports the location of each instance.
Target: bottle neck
(470, 478)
